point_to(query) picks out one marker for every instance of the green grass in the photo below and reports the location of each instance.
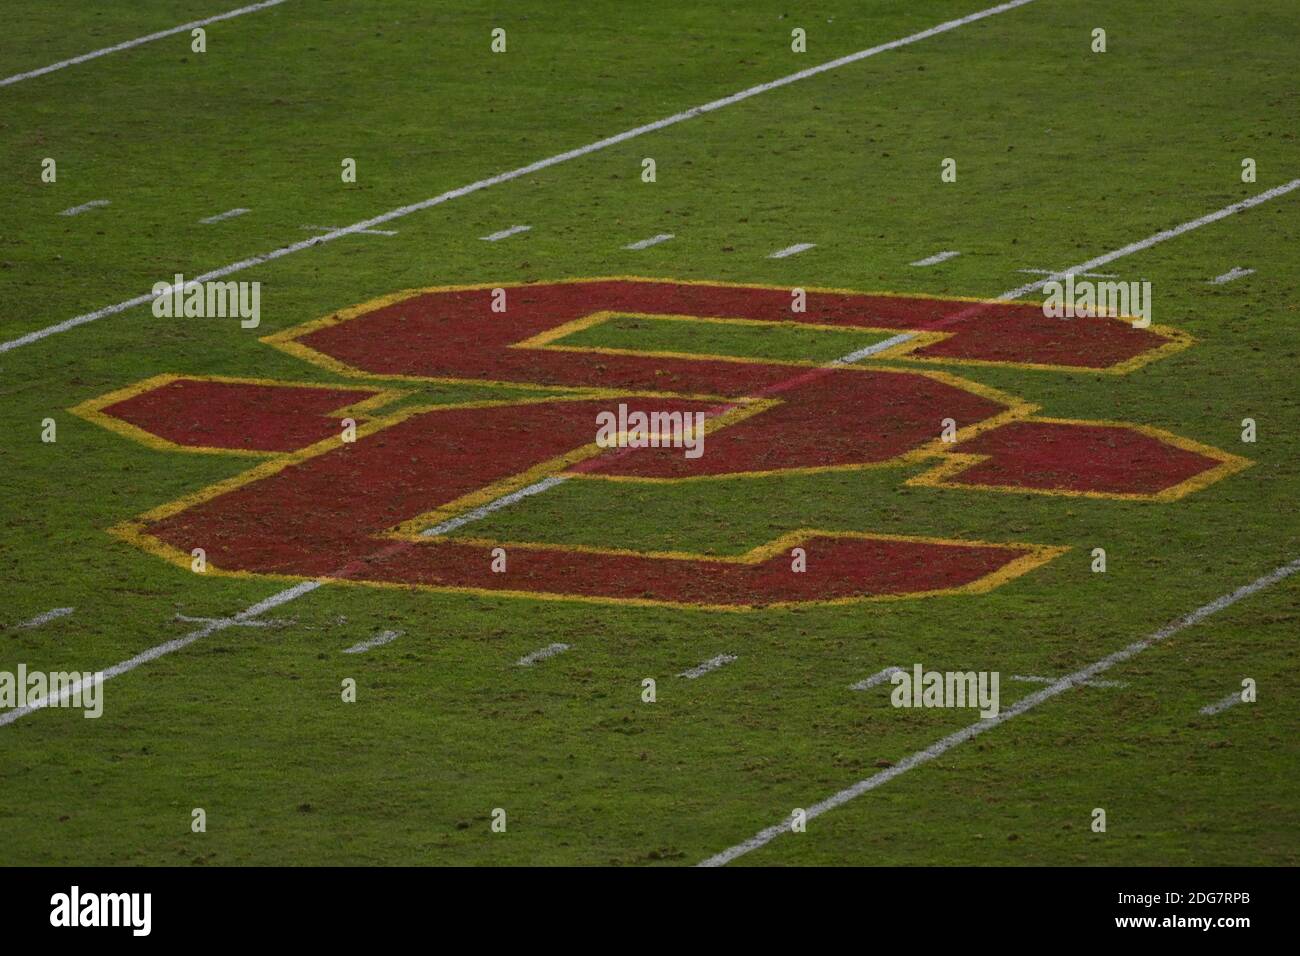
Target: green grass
(774, 342)
(1062, 155)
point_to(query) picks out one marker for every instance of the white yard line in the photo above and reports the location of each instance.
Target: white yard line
(79, 320)
(1035, 679)
(937, 258)
(1209, 710)
(534, 489)
(78, 210)
(880, 346)
(943, 745)
(1159, 237)
(167, 647)
(244, 623)
(1049, 272)
(505, 233)
(290, 594)
(138, 41)
(1234, 273)
(379, 640)
(528, 660)
(652, 241)
(51, 615)
(879, 677)
(521, 171)
(360, 232)
(447, 526)
(794, 250)
(222, 216)
(712, 664)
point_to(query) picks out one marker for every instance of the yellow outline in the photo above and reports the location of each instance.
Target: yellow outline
(286, 339)
(951, 463)
(134, 530)
(411, 527)
(1016, 409)
(1176, 341)
(545, 341)
(1038, 555)
(958, 462)
(92, 410)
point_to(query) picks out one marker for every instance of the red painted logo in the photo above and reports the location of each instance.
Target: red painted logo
(364, 510)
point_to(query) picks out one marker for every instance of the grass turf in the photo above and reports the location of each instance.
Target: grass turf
(1062, 154)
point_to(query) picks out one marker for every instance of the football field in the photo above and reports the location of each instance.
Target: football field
(563, 434)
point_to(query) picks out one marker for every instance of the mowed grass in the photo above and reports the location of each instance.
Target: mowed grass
(776, 342)
(1062, 155)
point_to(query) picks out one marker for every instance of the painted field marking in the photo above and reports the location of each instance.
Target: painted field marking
(360, 232)
(652, 241)
(51, 615)
(712, 664)
(296, 591)
(78, 210)
(183, 28)
(534, 489)
(852, 357)
(944, 744)
(378, 640)
(905, 336)
(1231, 700)
(521, 171)
(880, 346)
(167, 647)
(550, 650)
(794, 250)
(1035, 679)
(228, 214)
(1090, 275)
(879, 677)
(937, 258)
(290, 594)
(244, 623)
(1234, 273)
(505, 233)
(1157, 238)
